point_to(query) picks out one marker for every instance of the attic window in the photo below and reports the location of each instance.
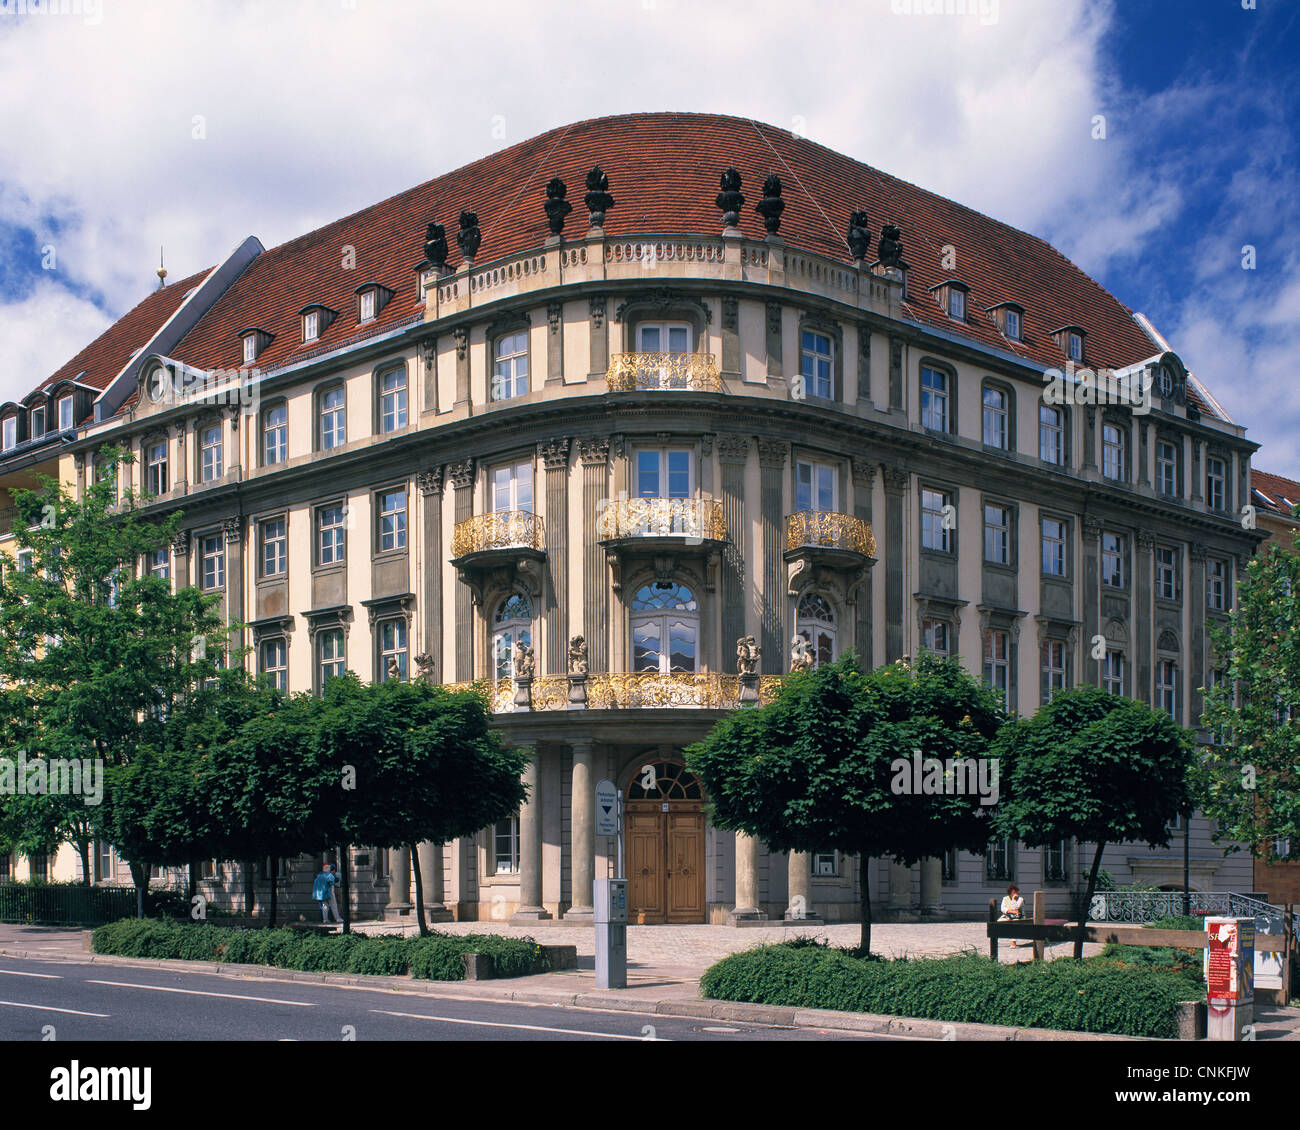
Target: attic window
(311, 326)
(250, 347)
(1070, 340)
(65, 413)
(38, 422)
(366, 306)
(1009, 319)
(372, 297)
(951, 297)
(10, 432)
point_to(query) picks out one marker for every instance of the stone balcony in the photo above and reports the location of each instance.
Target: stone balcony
(512, 541)
(701, 690)
(819, 543)
(653, 372)
(662, 529)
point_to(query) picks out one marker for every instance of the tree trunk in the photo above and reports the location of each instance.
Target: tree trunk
(275, 891)
(419, 890)
(864, 943)
(191, 881)
(1087, 900)
(83, 850)
(250, 886)
(347, 897)
(140, 877)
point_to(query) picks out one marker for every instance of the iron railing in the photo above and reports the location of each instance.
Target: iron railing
(65, 906)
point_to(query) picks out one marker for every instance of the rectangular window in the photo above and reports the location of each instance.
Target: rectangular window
(1216, 483)
(392, 400)
(1166, 572)
(155, 468)
(1216, 584)
(38, 423)
(1114, 560)
(1051, 435)
(997, 664)
(815, 363)
(212, 556)
(210, 453)
(1000, 860)
(1167, 468)
(997, 535)
(65, 413)
(329, 649)
(1053, 547)
(1075, 346)
(1167, 687)
(1013, 324)
(275, 547)
(333, 419)
(825, 863)
(330, 535)
(505, 846)
(250, 347)
(367, 305)
(664, 473)
(934, 399)
(934, 637)
(995, 418)
(957, 303)
(159, 563)
(512, 488)
(1055, 861)
(106, 859)
(311, 326)
(275, 435)
(1112, 673)
(10, 432)
(1054, 669)
(273, 660)
(815, 486)
(392, 649)
(1112, 453)
(510, 370)
(935, 531)
(392, 520)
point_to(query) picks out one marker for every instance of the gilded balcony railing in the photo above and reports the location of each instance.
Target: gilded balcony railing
(661, 518)
(504, 529)
(826, 530)
(627, 691)
(694, 372)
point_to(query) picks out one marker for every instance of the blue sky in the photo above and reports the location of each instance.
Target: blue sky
(193, 123)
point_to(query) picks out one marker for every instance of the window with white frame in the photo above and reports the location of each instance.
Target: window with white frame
(1114, 560)
(1074, 346)
(1011, 324)
(107, 861)
(392, 399)
(1166, 572)
(1051, 435)
(665, 629)
(997, 662)
(392, 649)
(273, 662)
(210, 454)
(331, 531)
(934, 399)
(65, 413)
(665, 472)
(1056, 860)
(159, 563)
(997, 534)
(505, 846)
(957, 303)
(816, 363)
(250, 347)
(512, 487)
(331, 658)
(935, 532)
(1216, 483)
(275, 547)
(995, 418)
(1054, 547)
(510, 366)
(815, 622)
(38, 422)
(825, 863)
(512, 624)
(1112, 453)
(333, 418)
(1167, 468)
(816, 485)
(366, 309)
(934, 637)
(1216, 584)
(663, 337)
(1055, 675)
(1167, 686)
(275, 434)
(1000, 860)
(391, 517)
(212, 558)
(1112, 672)
(311, 325)
(155, 467)
(10, 432)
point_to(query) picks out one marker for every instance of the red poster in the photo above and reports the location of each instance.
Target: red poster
(1223, 962)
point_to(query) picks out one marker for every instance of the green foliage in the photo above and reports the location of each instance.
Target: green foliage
(1252, 773)
(1166, 959)
(437, 957)
(1073, 996)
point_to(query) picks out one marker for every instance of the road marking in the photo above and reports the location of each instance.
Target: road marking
(719, 1029)
(200, 993)
(43, 976)
(51, 1008)
(522, 1027)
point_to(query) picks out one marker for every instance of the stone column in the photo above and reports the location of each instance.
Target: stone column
(461, 336)
(746, 908)
(599, 334)
(462, 478)
(900, 886)
(554, 454)
(530, 845)
(594, 456)
(430, 483)
(582, 836)
(399, 883)
(799, 904)
(1194, 665)
(1091, 597)
(932, 886)
(435, 897)
(234, 531)
(772, 458)
(733, 451)
(1143, 581)
(864, 477)
(897, 482)
(555, 343)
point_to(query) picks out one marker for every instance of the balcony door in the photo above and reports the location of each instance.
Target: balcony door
(665, 843)
(665, 472)
(512, 487)
(665, 631)
(663, 337)
(815, 486)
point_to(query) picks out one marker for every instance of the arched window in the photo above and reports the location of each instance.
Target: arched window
(815, 621)
(512, 624)
(665, 629)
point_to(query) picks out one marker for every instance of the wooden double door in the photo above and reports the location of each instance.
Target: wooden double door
(665, 861)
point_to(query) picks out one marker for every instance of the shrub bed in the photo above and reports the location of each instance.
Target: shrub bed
(433, 958)
(1087, 996)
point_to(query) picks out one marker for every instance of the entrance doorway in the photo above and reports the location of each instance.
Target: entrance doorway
(665, 845)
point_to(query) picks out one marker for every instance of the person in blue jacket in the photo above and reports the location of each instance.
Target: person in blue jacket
(323, 892)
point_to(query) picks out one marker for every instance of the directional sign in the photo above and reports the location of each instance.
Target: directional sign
(606, 809)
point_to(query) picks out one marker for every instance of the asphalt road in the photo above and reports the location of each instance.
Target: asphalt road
(114, 1002)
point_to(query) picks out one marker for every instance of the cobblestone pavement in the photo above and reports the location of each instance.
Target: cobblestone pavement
(692, 949)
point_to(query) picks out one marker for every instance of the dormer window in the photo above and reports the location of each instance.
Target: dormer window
(250, 347)
(1070, 339)
(366, 306)
(371, 300)
(65, 413)
(951, 296)
(311, 326)
(255, 340)
(316, 320)
(1009, 319)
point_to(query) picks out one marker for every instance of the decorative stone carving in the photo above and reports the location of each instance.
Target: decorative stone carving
(774, 319)
(577, 656)
(469, 237)
(556, 207)
(555, 316)
(593, 452)
(730, 199)
(525, 664)
(554, 453)
(1145, 540)
(747, 655)
(1091, 527)
(461, 334)
(730, 313)
(733, 448)
(1196, 554)
(234, 530)
(663, 299)
(890, 248)
(425, 666)
(462, 473)
(598, 199)
(429, 351)
(181, 542)
(772, 452)
(706, 444)
(864, 471)
(800, 654)
(596, 307)
(772, 205)
(859, 235)
(392, 669)
(430, 482)
(897, 480)
(435, 246)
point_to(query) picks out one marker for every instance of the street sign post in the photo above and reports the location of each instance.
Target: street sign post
(606, 809)
(609, 896)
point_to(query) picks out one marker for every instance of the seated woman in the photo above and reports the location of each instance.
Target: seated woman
(1013, 908)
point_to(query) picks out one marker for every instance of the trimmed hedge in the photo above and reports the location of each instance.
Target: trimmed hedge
(433, 958)
(1087, 996)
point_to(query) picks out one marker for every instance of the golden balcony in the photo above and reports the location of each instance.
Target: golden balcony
(820, 540)
(690, 519)
(510, 540)
(637, 372)
(703, 690)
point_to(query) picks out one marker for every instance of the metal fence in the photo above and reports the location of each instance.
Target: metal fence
(1147, 906)
(65, 906)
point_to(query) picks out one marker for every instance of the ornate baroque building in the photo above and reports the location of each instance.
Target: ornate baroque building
(632, 455)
